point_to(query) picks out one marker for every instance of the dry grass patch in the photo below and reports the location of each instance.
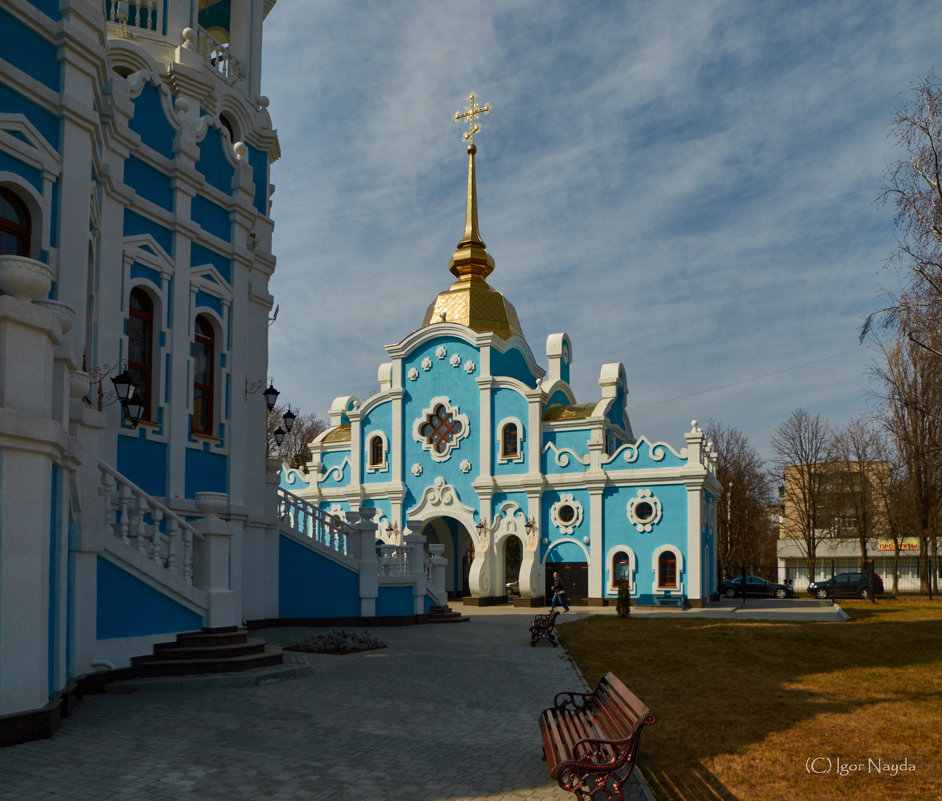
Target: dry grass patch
(745, 707)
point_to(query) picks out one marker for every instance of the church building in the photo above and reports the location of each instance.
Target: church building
(135, 256)
(470, 442)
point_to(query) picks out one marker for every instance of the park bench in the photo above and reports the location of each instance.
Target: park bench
(590, 740)
(541, 628)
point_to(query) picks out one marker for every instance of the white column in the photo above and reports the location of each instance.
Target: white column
(30, 443)
(368, 561)
(214, 569)
(596, 543)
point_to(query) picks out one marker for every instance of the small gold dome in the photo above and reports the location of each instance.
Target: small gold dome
(470, 300)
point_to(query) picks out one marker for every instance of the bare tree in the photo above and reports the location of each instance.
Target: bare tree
(802, 447)
(859, 482)
(913, 380)
(745, 532)
(294, 449)
(914, 186)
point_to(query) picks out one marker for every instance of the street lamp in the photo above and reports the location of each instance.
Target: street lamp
(123, 386)
(288, 418)
(134, 406)
(279, 436)
(271, 395)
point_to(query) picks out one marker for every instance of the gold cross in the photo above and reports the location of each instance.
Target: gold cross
(470, 113)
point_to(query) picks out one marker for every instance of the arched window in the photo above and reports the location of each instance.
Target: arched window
(377, 451)
(15, 225)
(621, 570)
(141, 346)
(204, 348)
(667, 569)
(226, 123)
(510, 444)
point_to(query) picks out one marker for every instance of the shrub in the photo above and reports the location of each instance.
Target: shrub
(623, 605)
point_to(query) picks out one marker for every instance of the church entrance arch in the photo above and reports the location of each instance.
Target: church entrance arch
(510, 556)
(459, 551)
(569, 559)
(440, 511)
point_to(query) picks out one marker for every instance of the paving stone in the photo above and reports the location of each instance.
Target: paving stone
(445, 713)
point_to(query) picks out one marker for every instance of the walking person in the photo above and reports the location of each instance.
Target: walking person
(559, 592)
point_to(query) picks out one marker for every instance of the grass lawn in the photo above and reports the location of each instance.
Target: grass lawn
(758, 711)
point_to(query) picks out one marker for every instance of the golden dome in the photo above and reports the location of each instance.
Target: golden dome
(470, 300)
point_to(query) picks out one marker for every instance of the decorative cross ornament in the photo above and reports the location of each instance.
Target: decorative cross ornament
(470, 112)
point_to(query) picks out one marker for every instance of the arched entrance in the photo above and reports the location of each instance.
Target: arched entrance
(510, 557)
(459, 551)
(570, 560)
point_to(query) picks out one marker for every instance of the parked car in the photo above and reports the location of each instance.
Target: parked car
(755, 587)
(846, 585)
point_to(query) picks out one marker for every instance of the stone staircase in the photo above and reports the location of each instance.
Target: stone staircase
(445, 614)
(208, 651)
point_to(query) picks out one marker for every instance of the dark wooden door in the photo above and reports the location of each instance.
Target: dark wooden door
(575, 575)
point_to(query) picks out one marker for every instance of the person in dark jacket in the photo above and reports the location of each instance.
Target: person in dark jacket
(559, 593)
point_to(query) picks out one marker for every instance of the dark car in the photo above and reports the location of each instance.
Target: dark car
(755, 587)
(846, 585)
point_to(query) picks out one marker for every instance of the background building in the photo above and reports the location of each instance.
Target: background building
(841, 511)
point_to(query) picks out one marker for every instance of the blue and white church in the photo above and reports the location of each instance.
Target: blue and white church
(472, 444)
(135, 243)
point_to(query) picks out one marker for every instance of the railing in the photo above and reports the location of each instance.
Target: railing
(216, 54)
(393, 560)
(135, 14)
(143, 523)
(311, 521)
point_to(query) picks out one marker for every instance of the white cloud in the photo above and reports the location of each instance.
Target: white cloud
(684, 187)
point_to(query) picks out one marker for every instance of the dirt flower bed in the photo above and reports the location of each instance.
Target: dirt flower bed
(338, 641)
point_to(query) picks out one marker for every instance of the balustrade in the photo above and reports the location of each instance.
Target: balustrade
(393, 560)
(146, 15)
(309, 520)
(146, 525)
(216, 54)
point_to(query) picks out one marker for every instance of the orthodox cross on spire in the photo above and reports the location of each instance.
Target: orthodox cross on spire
(470, 113)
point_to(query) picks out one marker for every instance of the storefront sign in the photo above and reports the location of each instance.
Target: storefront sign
(905, 545)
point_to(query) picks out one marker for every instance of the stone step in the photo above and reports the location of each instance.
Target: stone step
(445, 614)
(270, 655)
(231, 636)
(176, 651)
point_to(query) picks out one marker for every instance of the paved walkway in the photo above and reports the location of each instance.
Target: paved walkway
(446, 712)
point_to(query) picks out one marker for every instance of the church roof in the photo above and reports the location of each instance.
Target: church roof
(557, 412)
(338, 434)
(470, 300)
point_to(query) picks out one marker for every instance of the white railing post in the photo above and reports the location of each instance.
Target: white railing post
(366, 552)
(437, 579)
(215, 571)
(416, 555)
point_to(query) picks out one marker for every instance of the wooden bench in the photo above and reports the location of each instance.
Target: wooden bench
(590, 740)
(541, 628)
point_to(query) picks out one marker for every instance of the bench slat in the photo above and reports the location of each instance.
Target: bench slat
(593, 734)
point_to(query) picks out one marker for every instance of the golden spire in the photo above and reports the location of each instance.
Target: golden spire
(471, 258)
(470, 301)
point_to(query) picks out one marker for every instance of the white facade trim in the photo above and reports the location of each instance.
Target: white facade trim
(383, 466)
(610, 586)
(422, 419)
(521, 436)
(681, 573)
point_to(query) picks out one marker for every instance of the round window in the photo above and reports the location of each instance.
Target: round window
(566, 513)
(644, 511)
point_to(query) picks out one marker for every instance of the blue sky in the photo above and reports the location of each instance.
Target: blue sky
(685, 187)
